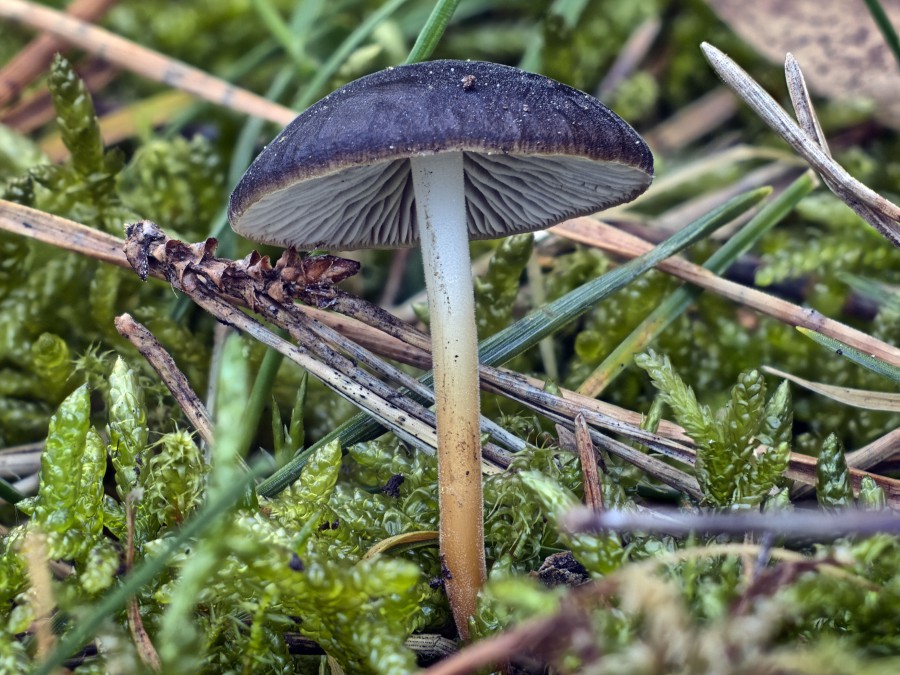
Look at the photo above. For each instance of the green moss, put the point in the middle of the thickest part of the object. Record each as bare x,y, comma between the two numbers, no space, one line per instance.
297,563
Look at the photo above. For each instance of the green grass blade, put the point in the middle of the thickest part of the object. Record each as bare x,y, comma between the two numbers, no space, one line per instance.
330,67
9,493
541,323
247,142
885,26
434,28
865,360
279,29
545,321
260,395
875,291
678,301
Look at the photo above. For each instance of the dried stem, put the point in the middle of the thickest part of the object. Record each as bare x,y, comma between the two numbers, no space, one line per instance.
166,368
670,439
142,642
37,560
593,494
37,109
33,59
804,525
595,233
137,59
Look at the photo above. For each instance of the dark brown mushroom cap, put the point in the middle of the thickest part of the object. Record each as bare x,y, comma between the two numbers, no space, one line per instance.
535,153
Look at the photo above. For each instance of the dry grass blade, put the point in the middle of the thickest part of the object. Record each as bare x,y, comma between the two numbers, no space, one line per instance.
882,214
142,642
662,471
803,108
219,285
817,525
879,450
143,61
31,62
413,431
20,460
62,233
675,180
630,55
858,398
530,391
809,122
37,559
593,494
90,242
539,637
595,233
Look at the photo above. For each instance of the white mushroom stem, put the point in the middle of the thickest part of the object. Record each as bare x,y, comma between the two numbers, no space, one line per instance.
441,211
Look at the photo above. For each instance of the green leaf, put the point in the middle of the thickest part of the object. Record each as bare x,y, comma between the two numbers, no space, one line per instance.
743,414
312,491
696,419
733,471
177,182
76,118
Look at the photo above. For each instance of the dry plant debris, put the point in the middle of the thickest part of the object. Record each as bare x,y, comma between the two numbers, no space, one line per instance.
837,41
663,592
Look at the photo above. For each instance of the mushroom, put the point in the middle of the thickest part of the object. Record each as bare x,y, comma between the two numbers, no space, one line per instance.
438,153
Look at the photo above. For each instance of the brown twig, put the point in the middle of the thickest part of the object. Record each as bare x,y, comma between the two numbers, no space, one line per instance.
538,639
93,243
165,366
595,233
191,270
593,494
32,60
817,525
145,649
137,59
270,291
88,241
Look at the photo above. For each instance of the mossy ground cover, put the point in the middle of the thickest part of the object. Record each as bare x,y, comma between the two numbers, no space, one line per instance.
142,547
